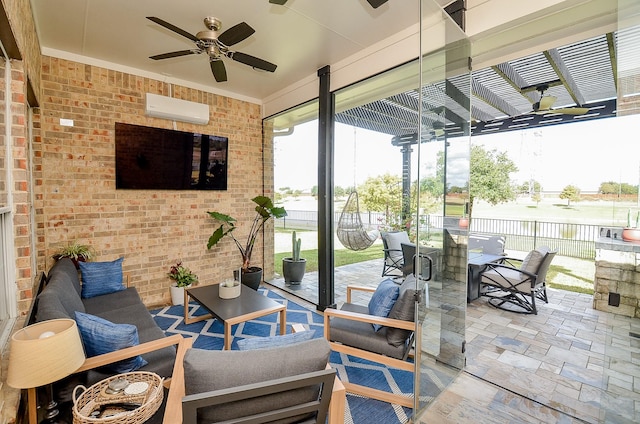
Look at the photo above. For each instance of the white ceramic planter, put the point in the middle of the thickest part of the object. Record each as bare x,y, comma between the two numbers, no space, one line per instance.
177,295
230,292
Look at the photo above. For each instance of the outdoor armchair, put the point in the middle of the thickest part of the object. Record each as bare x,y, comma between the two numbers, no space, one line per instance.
492,245
289,395
393,258
515,288
350,330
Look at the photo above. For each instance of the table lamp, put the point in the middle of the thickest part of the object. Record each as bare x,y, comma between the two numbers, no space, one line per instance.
42,354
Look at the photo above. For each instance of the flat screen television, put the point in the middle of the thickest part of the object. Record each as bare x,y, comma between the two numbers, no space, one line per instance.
159,159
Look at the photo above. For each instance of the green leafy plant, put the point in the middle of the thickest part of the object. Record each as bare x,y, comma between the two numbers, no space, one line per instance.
75,251
182,275
265,210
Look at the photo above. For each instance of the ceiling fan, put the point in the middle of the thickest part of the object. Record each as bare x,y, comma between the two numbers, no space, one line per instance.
374,3
216,46
543,106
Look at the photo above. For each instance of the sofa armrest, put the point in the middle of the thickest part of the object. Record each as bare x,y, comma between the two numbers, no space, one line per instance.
129,352
371,319
173,409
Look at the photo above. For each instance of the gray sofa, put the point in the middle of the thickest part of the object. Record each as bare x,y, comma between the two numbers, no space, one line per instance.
61,298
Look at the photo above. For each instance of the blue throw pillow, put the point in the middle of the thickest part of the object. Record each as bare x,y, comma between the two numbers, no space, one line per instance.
101,336
100,278
383,300
275,341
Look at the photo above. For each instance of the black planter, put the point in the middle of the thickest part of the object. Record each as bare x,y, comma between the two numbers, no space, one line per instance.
293,270
252,277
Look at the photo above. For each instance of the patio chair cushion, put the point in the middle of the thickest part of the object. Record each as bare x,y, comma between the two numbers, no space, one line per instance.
404,309
532,261
361,335
383,300
100,278
208,370
275,341
394,243
509,278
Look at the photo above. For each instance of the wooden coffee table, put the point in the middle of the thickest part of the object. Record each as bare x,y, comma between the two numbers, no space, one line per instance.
249,305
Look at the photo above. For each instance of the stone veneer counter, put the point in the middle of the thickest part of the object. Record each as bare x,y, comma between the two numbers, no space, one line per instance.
617,279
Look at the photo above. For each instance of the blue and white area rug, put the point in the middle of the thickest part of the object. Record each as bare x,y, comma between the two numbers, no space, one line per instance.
209,334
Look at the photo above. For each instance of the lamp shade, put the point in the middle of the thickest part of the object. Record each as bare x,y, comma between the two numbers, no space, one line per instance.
43,353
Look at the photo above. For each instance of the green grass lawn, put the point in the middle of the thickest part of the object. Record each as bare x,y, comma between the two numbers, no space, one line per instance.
341,257
552,210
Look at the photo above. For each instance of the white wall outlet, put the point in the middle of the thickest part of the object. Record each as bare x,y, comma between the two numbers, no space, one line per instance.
66,122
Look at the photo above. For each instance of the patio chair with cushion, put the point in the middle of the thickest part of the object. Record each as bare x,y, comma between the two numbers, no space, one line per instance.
491,245
393,259
268,381
515,288
382,332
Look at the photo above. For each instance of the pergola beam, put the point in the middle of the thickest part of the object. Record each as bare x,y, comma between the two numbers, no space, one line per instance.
558,65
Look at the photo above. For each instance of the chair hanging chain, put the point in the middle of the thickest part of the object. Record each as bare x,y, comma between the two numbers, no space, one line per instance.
355,157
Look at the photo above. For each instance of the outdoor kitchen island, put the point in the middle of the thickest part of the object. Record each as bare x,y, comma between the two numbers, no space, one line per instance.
617,277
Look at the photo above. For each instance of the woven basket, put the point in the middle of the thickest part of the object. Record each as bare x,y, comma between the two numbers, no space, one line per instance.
95,397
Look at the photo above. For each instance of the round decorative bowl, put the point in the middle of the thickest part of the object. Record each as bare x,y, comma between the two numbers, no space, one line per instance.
226,292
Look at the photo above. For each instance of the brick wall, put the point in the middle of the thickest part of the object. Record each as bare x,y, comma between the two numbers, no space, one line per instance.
75,180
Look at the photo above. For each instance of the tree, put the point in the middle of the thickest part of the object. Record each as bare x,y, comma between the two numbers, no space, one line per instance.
530,187
610,187
490,176
383,193
571,193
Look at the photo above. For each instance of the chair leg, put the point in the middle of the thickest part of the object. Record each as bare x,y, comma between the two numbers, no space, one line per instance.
542,294
517,299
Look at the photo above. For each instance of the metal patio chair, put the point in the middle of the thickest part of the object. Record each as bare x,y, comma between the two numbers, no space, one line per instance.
515,288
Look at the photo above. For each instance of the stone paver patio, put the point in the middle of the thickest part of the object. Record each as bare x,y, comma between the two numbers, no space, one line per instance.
569,363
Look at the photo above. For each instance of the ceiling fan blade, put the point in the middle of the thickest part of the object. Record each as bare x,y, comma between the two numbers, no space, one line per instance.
236,34
571,110
280,2
172,54
173,28
218,70
376,3
546,102
253,61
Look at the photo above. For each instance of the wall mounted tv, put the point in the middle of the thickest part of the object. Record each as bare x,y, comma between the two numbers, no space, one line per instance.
159,159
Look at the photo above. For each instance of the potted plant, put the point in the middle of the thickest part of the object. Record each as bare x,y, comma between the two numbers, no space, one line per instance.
251,276
183,277
76,252
293,268
632,232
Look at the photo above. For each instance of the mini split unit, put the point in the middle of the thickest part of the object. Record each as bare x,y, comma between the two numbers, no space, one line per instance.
176,109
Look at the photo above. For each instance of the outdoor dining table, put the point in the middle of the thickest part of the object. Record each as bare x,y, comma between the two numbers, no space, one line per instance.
477,263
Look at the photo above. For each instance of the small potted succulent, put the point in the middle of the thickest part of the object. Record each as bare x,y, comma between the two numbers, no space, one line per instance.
293,268
183,277
76,252
631,232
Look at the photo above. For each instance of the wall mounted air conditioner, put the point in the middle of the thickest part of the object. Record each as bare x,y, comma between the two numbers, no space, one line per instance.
176,109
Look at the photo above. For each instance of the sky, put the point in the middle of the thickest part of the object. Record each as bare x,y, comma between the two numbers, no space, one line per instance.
584,154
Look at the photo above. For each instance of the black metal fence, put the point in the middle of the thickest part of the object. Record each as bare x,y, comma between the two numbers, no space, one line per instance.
572,240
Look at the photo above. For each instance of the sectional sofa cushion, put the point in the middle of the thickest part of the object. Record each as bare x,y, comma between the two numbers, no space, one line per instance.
101,336
207,370
100,278
64,267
